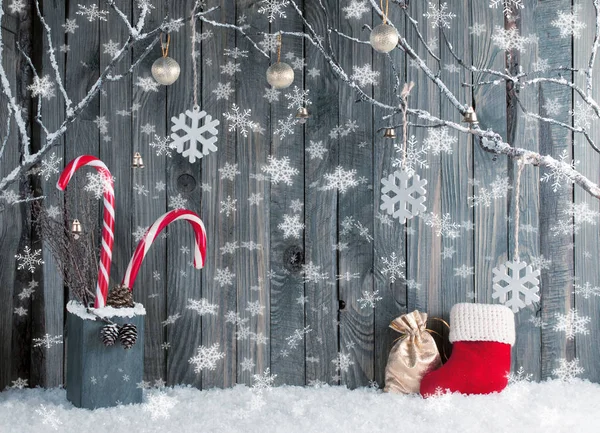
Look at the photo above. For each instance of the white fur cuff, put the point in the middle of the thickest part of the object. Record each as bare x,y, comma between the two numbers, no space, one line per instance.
482,322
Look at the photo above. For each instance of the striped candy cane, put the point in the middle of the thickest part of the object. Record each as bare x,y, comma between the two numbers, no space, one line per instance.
153,232
108,229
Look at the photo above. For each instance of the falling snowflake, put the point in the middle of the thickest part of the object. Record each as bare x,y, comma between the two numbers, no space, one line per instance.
363,231
159,405
312,273
443,226
228,206
412,158
230,68
438,140
194,134
50,166
111,48
520,281
568,24
498,190
583,115
582,213
477,29
340,179
298,63
558,171
29,259
316,149
223,91
291,226
140,189
42,87
229,171
264,381
224,277
393,267
206,358
20,311
177,202
148,129
464,271
286,126
19,383
271,94
247,364
298,98
540,262
586,290
279,170
296,205
99,183
273,8
553,106
364,75
270,43
202,306
239,120
572,323
48,341
567,370
255,308
405,191
92,13
70,26
342,362
48,417
518,377
255,199
369,299
356,9
509,39
507,5
17,6
139,233
229,248
439,16
147,84
162,145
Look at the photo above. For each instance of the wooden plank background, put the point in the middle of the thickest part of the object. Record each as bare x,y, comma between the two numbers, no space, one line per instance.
345,234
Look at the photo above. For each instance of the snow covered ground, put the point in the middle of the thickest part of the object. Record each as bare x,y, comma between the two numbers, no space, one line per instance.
553,406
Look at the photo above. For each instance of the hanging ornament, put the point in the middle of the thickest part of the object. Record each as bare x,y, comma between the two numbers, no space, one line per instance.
194,133
76,228
109,334
470,116
165,70
302,115
516,283
403,196
138,162
280,75
389,133
128,335
384,37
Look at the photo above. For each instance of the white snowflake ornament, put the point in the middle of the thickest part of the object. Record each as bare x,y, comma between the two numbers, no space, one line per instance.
520,281
408,195
194,134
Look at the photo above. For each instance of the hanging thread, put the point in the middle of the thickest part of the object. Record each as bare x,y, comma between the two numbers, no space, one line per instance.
278,47
194,64
520,166
165,47
387,8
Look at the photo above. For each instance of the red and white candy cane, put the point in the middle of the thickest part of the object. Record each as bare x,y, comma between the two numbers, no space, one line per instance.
108,229
153,232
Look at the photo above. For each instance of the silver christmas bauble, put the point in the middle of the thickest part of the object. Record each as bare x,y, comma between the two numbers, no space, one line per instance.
165,71
280,75
384,38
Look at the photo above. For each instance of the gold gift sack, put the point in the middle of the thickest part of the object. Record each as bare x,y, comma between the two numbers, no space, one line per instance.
413,356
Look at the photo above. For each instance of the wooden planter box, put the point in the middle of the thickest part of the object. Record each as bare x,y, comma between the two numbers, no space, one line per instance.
100,376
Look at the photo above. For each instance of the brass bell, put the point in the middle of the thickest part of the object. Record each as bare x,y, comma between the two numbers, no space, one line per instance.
470,116
137,161
76,228
302,115
389,133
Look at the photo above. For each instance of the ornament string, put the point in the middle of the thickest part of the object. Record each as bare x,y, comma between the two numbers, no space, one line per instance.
387,8
164,47
278,47
520,165
404,107
194,64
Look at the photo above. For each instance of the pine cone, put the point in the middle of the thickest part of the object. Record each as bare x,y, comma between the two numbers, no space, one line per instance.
128,335
120,297
109,334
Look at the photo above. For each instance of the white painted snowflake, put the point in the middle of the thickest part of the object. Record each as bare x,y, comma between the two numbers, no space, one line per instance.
111,48
558,173
393,267
48,417
583,115
553,106
582,213
270,43
159,405
255,308
263,381
364,75
464,271
273,8
42,87
477,29
271,94
139,233
567,370
439,140
247,364
223,91
403,196
507,5
312,273
29,259
369,299
298,98
140,189
291,226
147,84
194,134
50,166
229,171
572,323
229,248
540,262
230,68
162,145
20,311
17,6
356,9
92,13
70,26
148,129
177,202
412,158
439,16
239,120
316,149
340,179
279,170
443,226
206,358
255,199
296,205
224,277
286,126
228,206
48,341
342,362
586,290
19,383
509,39
202,306
516,284
568,24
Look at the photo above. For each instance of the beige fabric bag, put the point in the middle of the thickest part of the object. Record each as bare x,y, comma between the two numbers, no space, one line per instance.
413,356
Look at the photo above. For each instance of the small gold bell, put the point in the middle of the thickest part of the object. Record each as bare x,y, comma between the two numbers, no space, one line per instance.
389,133
76,228
137,161
302,115
470,116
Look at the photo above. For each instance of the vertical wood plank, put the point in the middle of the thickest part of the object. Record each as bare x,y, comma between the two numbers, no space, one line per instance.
356,324
321,207
586,240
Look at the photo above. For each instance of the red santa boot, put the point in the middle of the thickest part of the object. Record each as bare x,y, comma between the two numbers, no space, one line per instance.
481,337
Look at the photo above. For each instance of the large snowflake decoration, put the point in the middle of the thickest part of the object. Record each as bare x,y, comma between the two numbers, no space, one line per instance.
411,158
194,134
29,259
162,145
273,8
340,179
356,9
393,267
439,16
403,196
568,24
559,171
291,226
507,5
92,13
572,323
206,358
202,306
279,170
298,98
48,341
567,370
369,299
509,39
516,284
364,75
42,87
286,126
239,120
439,140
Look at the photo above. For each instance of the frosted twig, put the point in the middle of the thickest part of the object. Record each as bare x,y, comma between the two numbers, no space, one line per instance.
415,26
594,50
7,134
38,116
